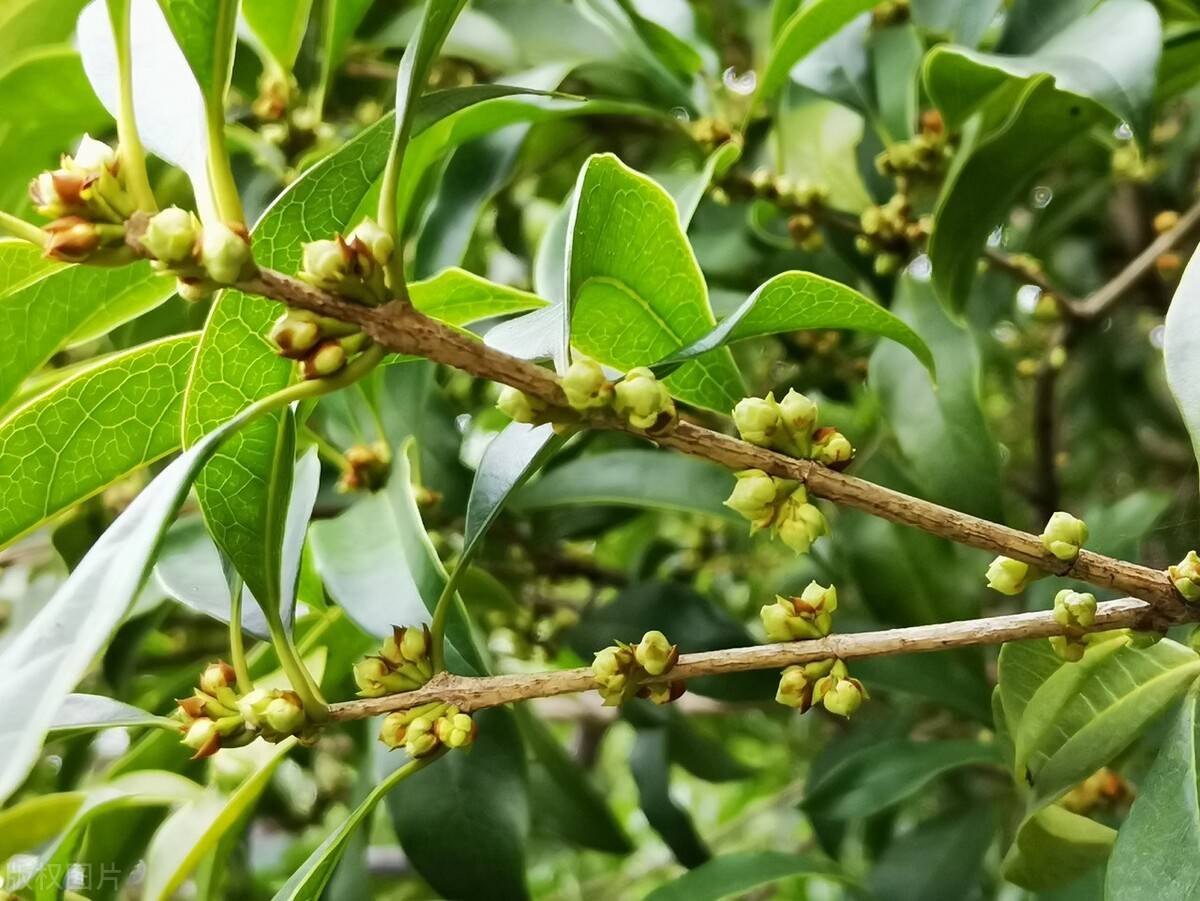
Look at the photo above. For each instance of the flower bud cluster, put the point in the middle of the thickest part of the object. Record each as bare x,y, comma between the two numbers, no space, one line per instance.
825,682
367,468
1076,611
215,716
888,232
780,504
521,407
402,664
925,156
1064,535
201,257
622,670
643,400
354,266
803,201
1186,576
423,730
321,344
799,618
788,427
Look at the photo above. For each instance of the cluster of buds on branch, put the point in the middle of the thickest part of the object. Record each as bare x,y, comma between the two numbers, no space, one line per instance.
402,664
215,716
889,233
825,682
800,618
804,201
201,257
1186,576
926,156
1063,537
1075,611
621,671
424,730
781,504
354,266
367,467
788,427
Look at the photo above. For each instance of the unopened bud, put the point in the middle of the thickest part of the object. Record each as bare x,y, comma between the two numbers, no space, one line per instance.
285,713
455,730
663,692
420,740
323,263
295,333
655,654
1064,535
758,420
224,253
1186,576
370,674
252,707
368,467
800,523
411,644
72,239
754,496
171,235
798,414
93,155
194,290
203,738
611,669
326,359
520,407
795,689
585,385
844,697
1074,609
1165,221
1067,648
218,678
832,448
394,729
1009,576
642,399
371,237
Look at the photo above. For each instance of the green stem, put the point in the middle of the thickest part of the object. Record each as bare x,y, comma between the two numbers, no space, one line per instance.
26,231
326,448
441,611
237,647
132,153
372,403
224,189
297,673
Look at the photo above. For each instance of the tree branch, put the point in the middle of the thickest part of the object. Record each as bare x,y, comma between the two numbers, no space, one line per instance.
475,693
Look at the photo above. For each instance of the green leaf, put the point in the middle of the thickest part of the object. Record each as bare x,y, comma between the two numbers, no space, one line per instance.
474,800
79,713
964,21
1023,667
1181,349
633,478
45,104
1030,23
458,297
26,24
650,763
1018,128
734,874
509,460
342,18
884,774
940,428
36,820
204,30
279,26
807,28
562,792
626,312
1104,59
941,857
793,301
1055,847
50,655
1159,842
89,431
1086,713
896,53
193,831
65,302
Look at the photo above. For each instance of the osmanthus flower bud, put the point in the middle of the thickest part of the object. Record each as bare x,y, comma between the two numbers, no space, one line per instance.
663,692
372,239
295,333
252,707
1009,576
194,289
586,386
1064,535
519,406
225,253
419,738
798,414
642,399
844,696
797,683
324,264
832,448
800,618
798,523
758,420
1186,576
754,496
171,236
220,681
326,359
455,729
72,239
201,736
614,671
284,715
368,468
1074,609
1068,648
655,654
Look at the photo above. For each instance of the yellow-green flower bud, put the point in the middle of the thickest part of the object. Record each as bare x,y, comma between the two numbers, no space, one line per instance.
663,692
832,448
795,689
421,745
295,333
655,654
642,399
326,359
612,668
820,598
217,679
285,714
374,240
844,697
394,729
585,386
201,736
1074,609
455,730
252,707
224,253
1067,648
323,264
758,420
171,236
413,643
1186,576
800,523
799,415
1009,576
520,407
806,617
370,674
1064,535
754,496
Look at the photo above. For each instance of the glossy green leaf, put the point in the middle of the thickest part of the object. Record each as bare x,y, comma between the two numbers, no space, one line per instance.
793,301
458,297
897,54
964,21
474,800
279,26
1179,68
80,712
1023,667
650,763
633,478
1055,847
940,428
1159,842
734,874
35,820
1018,128
1085,714
940,857
204,30
886,773
1031,23
1106,58
90,431
510,459
27,24
636,293
46,660
46,103
1181,349
193,831
807,28
342,18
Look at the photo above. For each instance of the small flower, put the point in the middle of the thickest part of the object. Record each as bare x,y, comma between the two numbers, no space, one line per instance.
642,399
655,654
455,730
419,738
1074,609
754,496
252,707
171,235
806,617
373,240
368,468
224,253
323,264
1186,576
798,415
1064,535
585,385
72,239
832,448
795,689
519,406
844,696
613,669
663,692
408,644
799,523
758,420
94,155
219,680
1009,576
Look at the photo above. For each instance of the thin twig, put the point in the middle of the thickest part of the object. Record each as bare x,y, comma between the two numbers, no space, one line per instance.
475,693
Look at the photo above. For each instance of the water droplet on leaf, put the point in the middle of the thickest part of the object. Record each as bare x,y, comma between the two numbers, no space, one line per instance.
743,84
1041,197
921,268
1123,132
1028,297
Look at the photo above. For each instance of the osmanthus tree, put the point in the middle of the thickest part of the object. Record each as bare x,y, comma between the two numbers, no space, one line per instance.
619,348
